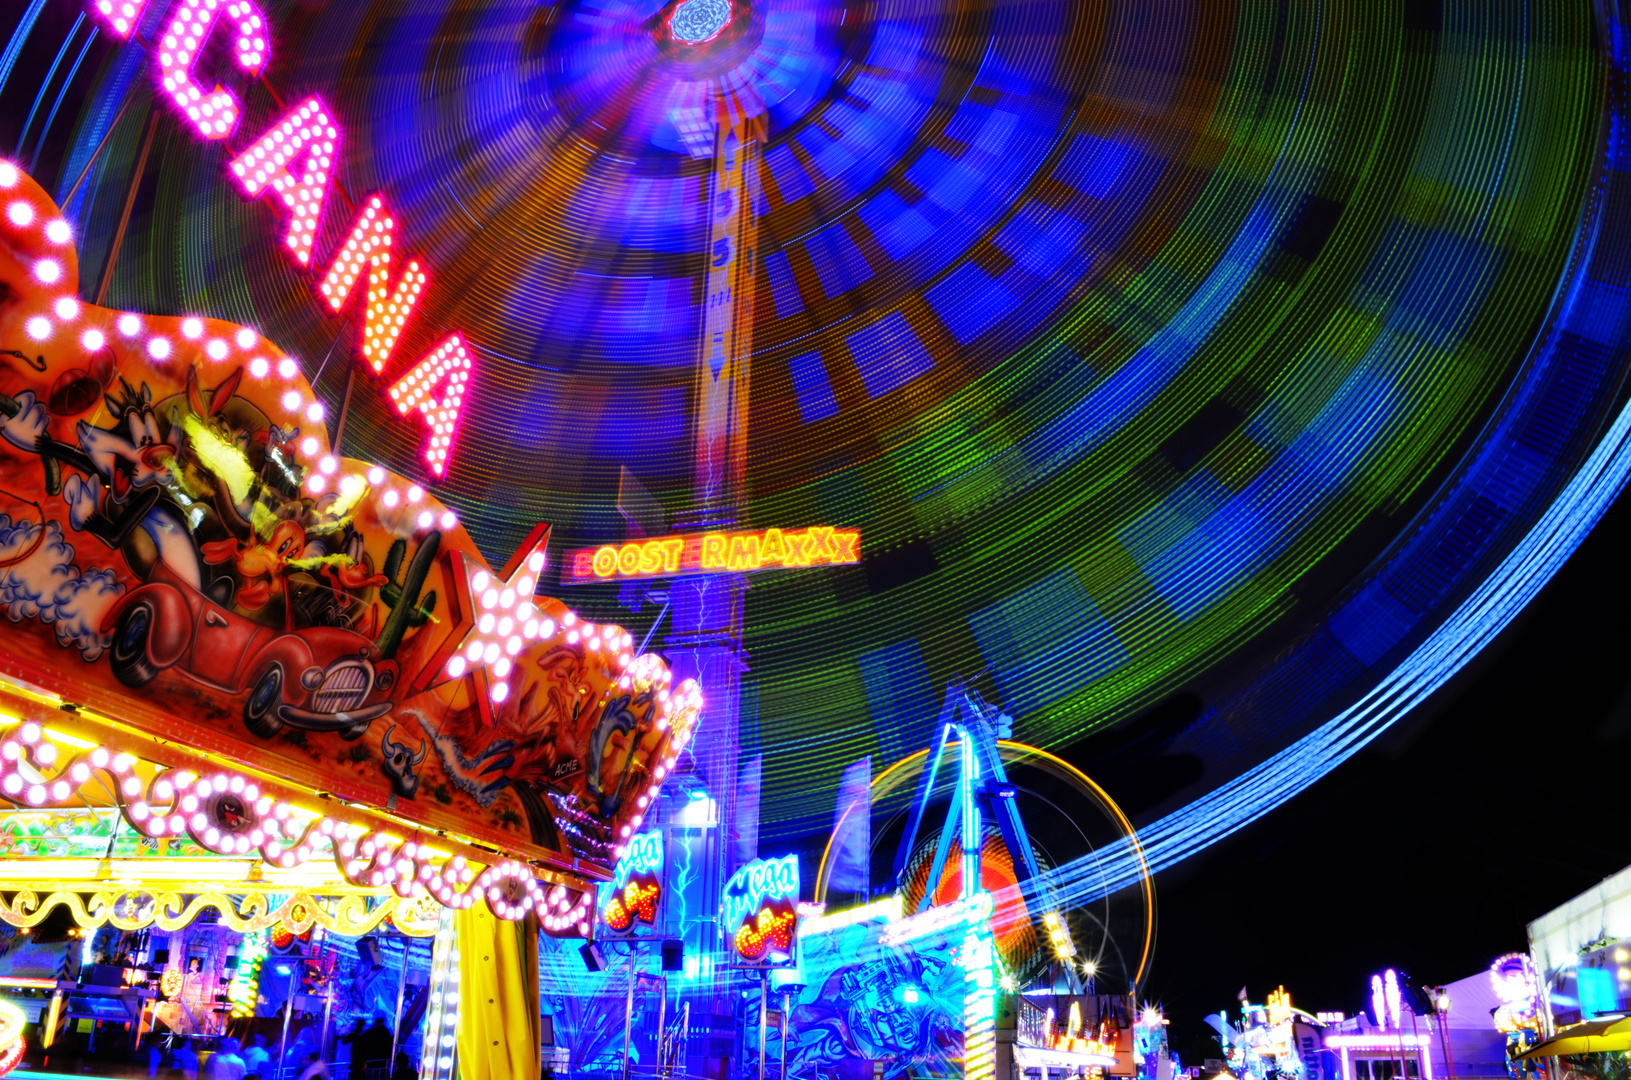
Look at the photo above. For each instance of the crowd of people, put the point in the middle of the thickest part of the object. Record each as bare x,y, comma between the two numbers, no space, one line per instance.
363,1054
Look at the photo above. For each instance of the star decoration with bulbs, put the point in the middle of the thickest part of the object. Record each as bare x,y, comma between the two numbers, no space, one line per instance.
498,616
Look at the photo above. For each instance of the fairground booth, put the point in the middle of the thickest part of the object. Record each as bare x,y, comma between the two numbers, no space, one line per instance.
283,758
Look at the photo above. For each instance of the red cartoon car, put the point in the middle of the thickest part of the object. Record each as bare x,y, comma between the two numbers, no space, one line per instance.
316,679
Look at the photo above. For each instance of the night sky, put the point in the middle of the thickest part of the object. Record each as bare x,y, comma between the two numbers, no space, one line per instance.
1501,798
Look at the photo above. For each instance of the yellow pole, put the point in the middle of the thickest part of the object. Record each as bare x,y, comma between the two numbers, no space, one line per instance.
498,1033
52,1017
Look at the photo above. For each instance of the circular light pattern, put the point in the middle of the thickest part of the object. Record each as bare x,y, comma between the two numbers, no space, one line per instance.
170,982
1191,386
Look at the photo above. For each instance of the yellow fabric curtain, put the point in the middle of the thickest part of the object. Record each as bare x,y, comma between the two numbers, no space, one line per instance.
498,1033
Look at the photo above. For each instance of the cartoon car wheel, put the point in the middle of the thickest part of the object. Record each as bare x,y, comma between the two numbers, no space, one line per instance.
265,699
355,731
128,657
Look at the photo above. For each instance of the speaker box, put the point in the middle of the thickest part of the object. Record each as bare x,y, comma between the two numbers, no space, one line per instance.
102,975
368,951
593,958
673,956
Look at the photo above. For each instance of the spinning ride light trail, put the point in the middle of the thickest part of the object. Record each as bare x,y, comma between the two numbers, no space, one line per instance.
1475,623
1186,379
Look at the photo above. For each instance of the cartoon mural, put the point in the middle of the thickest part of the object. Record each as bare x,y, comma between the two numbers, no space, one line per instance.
180,548
864,1002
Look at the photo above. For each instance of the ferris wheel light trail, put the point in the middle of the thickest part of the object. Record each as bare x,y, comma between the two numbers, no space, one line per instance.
1474,625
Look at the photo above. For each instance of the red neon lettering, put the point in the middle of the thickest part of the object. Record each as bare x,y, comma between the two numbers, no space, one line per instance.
214,116
744,553
305,131
820,548
798,549
387,309
843,547
766,927
447,364
671,553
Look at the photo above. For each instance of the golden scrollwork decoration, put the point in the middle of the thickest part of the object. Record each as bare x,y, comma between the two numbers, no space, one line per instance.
136,908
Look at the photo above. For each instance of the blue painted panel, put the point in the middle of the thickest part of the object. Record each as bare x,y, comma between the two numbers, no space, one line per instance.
948,184
838,262
895,46
983,128
1045,641
1093,165
900,696
784,288
1150,535
814,391
969,302
1600,311
1372,623
1040,239
791,179
897,227
830,156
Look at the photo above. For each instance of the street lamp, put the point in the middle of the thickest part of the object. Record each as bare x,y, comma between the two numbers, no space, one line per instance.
1441,1007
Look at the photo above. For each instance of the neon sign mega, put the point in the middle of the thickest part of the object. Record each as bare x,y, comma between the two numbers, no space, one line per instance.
294,161
758,910
635,889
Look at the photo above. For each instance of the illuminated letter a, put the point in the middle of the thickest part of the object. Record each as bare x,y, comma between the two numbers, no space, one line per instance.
449,363
386,309
306,132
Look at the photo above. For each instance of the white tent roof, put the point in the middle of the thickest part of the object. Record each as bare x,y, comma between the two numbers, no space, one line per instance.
1556,938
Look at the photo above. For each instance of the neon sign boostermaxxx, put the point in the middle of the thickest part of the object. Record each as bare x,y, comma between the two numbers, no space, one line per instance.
712,553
